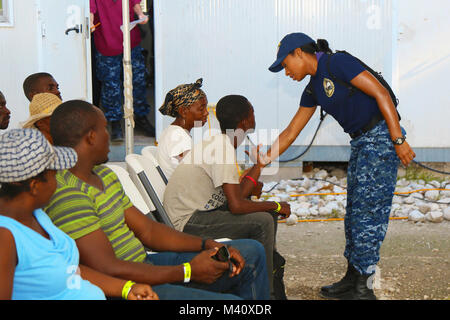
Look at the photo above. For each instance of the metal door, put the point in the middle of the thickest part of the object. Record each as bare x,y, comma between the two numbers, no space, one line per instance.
65,46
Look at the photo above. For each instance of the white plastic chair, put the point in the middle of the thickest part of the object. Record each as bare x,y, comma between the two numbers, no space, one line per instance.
131,190
150,153
150,184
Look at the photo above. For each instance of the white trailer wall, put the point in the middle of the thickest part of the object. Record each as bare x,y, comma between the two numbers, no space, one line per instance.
37,42
423,72
231,43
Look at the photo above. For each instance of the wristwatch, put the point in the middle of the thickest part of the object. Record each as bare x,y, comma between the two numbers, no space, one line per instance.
399,141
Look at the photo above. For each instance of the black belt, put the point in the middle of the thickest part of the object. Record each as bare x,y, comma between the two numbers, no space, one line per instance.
369,126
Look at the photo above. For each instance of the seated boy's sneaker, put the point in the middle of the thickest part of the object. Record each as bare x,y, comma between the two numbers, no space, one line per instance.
143,124
116,131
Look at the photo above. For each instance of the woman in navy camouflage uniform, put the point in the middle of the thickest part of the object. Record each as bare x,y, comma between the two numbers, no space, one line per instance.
378,144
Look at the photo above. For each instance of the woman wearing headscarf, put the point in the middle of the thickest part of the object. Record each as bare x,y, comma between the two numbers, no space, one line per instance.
188,104
367,113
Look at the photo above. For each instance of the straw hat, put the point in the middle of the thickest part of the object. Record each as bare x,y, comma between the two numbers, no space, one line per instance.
26,152
42,106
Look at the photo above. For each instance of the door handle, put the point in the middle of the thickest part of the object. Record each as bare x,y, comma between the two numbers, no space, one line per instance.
76,29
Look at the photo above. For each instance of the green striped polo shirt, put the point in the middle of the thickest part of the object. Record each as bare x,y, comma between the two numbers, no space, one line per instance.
78,209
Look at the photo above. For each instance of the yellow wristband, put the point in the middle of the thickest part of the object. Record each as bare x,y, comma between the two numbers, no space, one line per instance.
126,289
278,209
187,272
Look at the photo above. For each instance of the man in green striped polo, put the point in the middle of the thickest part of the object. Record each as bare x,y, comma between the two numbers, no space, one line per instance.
91,206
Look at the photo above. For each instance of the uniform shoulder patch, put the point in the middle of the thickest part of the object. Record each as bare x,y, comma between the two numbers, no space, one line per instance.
329,87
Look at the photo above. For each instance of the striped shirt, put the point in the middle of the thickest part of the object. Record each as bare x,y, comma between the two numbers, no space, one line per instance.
78,209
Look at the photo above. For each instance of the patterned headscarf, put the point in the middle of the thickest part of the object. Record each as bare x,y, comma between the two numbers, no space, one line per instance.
182,96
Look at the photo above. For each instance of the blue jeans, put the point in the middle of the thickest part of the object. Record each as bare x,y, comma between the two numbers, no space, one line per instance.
251,284
371,180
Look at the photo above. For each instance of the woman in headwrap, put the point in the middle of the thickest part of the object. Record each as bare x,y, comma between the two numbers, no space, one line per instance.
187,103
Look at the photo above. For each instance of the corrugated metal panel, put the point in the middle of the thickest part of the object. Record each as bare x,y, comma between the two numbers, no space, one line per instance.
424,68
220,41
231,44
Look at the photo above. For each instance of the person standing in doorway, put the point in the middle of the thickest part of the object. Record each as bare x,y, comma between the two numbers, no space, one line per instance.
106,20
367,113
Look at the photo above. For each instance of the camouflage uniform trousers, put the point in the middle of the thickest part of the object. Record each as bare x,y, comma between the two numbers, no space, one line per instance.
371,181
110,73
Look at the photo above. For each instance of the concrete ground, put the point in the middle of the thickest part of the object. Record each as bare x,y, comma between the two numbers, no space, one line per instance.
414,265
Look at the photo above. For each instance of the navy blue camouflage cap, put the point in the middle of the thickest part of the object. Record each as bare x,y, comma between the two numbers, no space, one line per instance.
288,44
25,153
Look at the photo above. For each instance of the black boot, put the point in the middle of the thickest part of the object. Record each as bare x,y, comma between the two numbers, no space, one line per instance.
363,288
278,275
143,124
341,289
116,131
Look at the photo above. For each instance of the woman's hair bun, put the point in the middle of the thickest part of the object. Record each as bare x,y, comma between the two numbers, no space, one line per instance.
323,46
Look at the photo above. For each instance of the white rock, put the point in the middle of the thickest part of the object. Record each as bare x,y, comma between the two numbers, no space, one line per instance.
416,216
320,184
301,190
268,186
333,179
292,220
395,209
278,199
337,189
333,205
307,183
432,195
435,184
283,197
290,188
409,200
324,211
306,205
403,212
403,189
397,199
321,203
436,216
314,211
302,212
322,174
418,195
434,207
314,200
416,186
402,182
447,213
429,186
292,183
445,194
424,208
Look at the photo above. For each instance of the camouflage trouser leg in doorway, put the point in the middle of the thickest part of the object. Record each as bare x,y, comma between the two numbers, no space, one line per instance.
371,181
110,74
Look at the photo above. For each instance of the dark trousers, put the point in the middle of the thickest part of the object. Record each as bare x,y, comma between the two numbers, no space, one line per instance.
221,223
